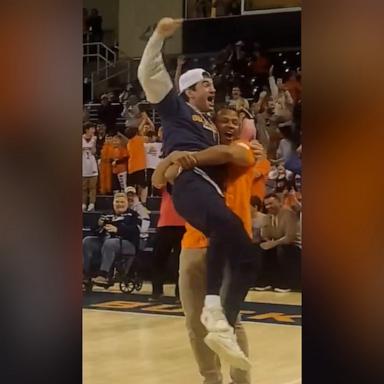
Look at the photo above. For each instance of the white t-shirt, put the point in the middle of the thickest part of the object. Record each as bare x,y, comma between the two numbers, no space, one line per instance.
153,152
89,160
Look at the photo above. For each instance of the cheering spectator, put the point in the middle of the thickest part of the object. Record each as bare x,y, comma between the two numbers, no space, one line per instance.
90,170
136,162
294,87
127,92
237,101
106,158
119,164
146,125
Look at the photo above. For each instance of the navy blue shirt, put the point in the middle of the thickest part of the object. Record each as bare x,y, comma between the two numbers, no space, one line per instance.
183,128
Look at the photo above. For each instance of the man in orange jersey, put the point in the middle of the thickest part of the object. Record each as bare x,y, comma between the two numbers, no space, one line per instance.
192,279
136,162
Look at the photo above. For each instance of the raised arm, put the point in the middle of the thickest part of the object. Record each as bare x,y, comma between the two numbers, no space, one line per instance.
272,84
179,67
152,73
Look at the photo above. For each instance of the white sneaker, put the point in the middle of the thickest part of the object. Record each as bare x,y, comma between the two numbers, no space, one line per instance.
224,344
91,207
214,319
84,207
282,290
261,289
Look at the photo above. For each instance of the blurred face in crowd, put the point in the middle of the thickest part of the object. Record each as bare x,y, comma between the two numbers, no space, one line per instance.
272,205
116,142
131,198
120,204
100,129
271,105
202,95
236,93
104,101
89,132
228,124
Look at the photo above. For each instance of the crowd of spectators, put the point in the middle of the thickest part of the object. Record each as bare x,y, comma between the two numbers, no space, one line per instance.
267,97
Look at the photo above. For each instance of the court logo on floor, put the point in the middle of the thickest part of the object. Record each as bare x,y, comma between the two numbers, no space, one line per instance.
251,311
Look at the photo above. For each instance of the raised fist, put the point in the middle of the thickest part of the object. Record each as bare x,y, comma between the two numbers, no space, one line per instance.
167,26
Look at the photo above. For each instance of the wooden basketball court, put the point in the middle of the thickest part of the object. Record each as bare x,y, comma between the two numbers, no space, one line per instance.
153,348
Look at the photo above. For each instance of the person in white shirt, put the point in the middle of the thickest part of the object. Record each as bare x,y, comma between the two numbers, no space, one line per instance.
153,158
90,169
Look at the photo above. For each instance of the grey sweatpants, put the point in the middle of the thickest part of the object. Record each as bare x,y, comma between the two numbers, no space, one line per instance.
109,248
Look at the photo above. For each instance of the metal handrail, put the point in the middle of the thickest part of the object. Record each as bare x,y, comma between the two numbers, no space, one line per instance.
98,45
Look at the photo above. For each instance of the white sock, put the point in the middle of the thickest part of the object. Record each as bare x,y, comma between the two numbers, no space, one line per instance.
212,301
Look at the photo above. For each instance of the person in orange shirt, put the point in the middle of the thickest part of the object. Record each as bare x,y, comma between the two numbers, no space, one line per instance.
105,167
119,162
193,268
136,162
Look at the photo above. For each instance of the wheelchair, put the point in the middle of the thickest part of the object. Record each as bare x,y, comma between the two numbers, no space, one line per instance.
124,271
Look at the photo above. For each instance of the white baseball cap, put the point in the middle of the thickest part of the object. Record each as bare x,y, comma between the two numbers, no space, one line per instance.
192,77
130,190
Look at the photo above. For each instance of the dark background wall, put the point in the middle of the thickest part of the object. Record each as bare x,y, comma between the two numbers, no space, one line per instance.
270,30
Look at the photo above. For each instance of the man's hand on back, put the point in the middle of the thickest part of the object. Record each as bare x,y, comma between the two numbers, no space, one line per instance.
167,26
257,150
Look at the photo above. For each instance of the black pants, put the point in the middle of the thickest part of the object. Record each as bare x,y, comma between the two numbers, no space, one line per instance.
281,267
197,201
168,242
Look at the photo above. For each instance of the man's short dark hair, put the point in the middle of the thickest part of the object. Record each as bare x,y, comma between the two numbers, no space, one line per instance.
256,202
131,132
88,125
222,108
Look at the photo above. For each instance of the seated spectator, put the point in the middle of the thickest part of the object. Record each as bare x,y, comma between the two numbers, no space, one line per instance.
119,164
90,169
115,235
237,101
282,247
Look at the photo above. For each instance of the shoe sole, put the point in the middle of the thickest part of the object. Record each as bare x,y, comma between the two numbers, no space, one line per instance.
214,343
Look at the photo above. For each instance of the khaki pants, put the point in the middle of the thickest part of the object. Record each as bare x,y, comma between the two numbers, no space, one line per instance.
192,285
89,189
